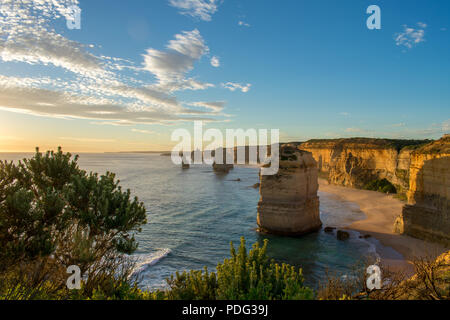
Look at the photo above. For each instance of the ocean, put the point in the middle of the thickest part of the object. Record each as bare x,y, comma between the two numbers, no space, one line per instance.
194,214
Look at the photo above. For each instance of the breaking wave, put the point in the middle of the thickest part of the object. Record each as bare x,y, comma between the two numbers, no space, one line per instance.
144,261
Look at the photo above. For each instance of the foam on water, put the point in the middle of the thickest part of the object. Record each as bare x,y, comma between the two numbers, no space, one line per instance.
144,261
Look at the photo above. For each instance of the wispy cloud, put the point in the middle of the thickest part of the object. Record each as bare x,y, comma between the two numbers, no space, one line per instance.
398,125
143,131
355,130
446,126
171,66
57,104
25,25
243,24
201,9
86,139
99,87
215,62
217,106
232,86
410,37
399,131
10,138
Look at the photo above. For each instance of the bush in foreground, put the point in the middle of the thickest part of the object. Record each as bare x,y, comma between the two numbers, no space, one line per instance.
53,215
244,276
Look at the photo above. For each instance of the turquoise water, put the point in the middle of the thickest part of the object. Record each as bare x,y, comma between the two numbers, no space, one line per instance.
194,214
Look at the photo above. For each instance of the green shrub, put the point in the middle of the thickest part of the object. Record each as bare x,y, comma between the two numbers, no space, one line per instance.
53,215
244,276
382,185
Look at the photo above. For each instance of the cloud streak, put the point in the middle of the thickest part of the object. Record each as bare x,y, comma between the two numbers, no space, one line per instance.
50,103
81,85
27,37
171,66
232,86
212,106
243,24
410,37
201,9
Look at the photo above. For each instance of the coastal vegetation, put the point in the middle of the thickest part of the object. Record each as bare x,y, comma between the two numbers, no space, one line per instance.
244,276
54,215
397,144
382,185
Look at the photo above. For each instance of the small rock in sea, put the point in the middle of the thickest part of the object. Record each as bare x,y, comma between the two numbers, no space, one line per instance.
342,235
185,165
329,229
366,236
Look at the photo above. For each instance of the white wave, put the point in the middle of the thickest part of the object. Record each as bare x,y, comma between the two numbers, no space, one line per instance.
144,261
373,250
372,247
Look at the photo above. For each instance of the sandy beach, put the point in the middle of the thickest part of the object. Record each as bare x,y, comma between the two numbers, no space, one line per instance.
381,210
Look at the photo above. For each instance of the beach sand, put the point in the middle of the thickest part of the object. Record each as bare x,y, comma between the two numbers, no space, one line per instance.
396,251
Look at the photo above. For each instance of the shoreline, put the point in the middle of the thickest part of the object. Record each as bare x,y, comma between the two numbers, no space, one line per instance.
396,251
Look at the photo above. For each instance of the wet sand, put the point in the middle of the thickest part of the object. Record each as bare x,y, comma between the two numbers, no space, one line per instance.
396,251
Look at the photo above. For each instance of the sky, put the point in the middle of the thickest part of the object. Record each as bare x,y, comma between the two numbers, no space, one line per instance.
137,70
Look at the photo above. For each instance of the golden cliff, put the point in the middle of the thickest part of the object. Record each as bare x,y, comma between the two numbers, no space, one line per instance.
356,162
427,214
289,204
419,169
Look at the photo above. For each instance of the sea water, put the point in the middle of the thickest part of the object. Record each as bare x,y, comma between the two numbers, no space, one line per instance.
194,214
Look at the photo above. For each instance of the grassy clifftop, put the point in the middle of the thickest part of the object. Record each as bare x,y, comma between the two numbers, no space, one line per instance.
397,144
440,146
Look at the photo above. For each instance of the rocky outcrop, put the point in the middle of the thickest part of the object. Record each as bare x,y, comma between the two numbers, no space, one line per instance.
356,162
222,168
427,214
342,235
329,229
289,204
185,165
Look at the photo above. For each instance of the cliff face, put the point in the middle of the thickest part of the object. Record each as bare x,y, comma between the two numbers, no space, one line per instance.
289,204
358,161
420,172
427,214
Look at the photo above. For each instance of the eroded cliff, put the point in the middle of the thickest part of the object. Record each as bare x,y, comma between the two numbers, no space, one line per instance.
356,162
427,214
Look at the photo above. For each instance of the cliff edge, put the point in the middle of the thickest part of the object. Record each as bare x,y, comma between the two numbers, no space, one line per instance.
427,214
356,162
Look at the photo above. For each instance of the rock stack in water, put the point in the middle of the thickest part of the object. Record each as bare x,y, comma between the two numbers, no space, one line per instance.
222,168
288,203
185,165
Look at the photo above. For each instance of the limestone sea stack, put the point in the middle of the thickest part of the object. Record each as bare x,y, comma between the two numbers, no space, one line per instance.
222,168
185,165
289,204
